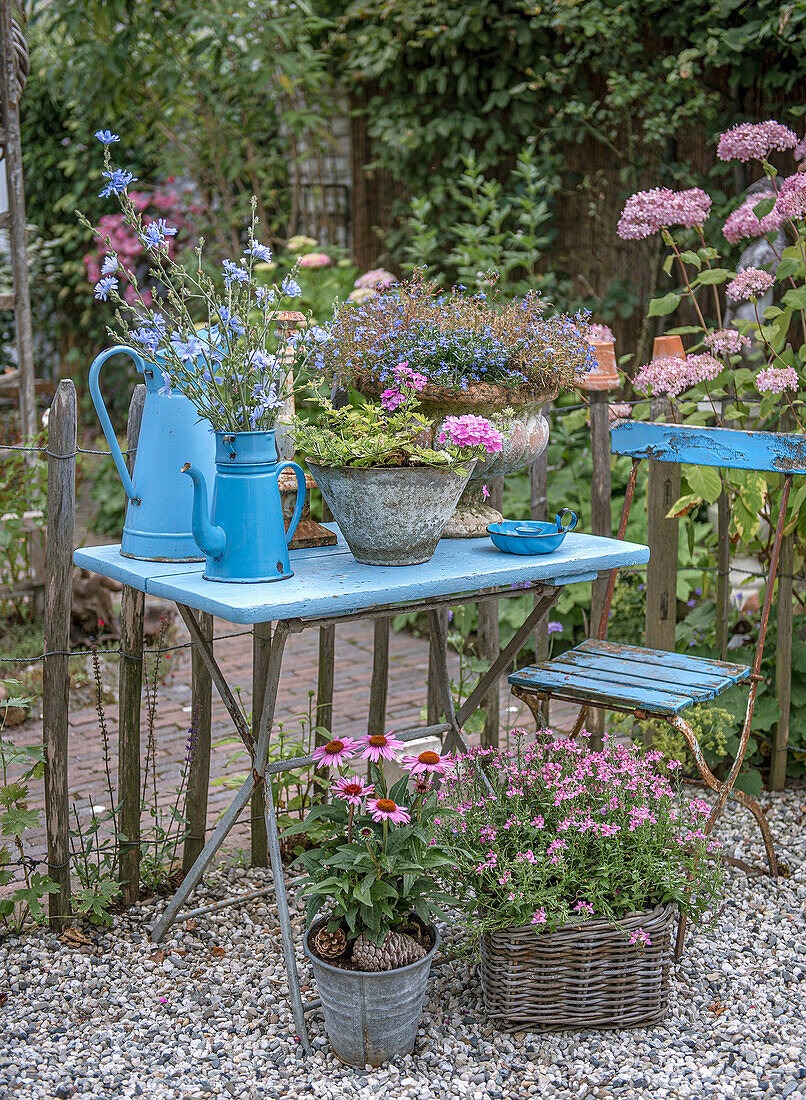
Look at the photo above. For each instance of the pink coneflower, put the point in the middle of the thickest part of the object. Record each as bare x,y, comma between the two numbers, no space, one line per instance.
427,761
384,809
380,746
335,752
352,789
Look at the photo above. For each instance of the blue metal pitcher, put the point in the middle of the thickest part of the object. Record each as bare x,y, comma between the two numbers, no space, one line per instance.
244,537
158,516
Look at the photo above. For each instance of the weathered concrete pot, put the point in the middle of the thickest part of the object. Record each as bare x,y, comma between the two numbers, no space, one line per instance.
391,515
371,1018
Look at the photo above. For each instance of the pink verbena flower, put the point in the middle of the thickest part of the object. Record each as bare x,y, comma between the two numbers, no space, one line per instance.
726,341
648,212
426,762
755,140
471,431
777,379
406,376
352,789
743,223
377,279
641,937
392,399
335,752
315,259
750,282
791,201
379,746
600,332
384,809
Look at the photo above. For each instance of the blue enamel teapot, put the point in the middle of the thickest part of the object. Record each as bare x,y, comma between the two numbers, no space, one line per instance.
243,536
158,523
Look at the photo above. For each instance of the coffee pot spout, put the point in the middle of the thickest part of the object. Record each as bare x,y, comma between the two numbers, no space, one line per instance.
211,539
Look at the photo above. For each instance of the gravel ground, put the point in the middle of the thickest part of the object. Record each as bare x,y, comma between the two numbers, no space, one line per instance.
116,1018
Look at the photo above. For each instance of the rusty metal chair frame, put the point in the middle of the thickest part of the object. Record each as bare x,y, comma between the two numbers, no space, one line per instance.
735,449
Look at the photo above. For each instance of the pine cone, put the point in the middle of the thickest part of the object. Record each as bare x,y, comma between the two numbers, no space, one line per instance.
330,944
397,950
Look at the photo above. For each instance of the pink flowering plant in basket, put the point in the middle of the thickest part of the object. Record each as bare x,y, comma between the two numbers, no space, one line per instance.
746,363
550,833
379,863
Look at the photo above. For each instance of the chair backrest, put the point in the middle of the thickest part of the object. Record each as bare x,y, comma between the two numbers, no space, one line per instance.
723,447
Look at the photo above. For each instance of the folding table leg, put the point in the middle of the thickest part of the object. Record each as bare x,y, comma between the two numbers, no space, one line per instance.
439,668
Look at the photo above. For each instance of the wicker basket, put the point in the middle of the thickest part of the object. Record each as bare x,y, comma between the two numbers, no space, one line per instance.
584,975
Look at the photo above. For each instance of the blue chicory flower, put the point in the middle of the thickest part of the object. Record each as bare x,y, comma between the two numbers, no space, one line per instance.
119,180
259,252
148,337
105,286
234,272
266,294
186,349
156,233
106,137
230,321
290,288
165,388
109,265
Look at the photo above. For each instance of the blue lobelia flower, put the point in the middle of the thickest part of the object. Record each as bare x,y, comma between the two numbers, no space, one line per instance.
234,273
109,265
259,252
106,137
105,286
290,288
156,233
119,180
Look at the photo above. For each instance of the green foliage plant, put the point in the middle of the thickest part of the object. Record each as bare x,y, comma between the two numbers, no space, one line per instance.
564,834
23,492
377,864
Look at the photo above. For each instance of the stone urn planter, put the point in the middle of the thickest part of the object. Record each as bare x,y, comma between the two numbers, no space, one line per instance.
525,439
371,1016
391,515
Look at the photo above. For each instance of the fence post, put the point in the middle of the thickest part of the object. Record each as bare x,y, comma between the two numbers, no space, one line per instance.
538,509
783,663
661,573
489,645
601,524
198,779
380,676
261,651
61,507
326,667
130,686
434,706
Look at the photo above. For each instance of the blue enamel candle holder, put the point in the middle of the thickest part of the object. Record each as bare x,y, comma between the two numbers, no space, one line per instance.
532,536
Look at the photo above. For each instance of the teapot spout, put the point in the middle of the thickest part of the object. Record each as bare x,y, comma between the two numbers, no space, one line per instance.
211,540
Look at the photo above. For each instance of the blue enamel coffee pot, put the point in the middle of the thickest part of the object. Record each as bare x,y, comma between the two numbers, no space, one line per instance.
158,523
243,536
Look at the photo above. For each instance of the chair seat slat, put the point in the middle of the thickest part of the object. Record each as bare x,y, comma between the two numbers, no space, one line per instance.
651,670
547,681
734,672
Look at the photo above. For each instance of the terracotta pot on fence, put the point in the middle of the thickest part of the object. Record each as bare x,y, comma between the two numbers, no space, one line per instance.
668,347
604,375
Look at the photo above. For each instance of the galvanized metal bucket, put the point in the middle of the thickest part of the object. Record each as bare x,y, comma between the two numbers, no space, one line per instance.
371,1017
391,515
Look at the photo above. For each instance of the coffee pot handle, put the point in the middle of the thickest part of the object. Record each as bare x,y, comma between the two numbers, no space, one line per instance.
103,415
302,489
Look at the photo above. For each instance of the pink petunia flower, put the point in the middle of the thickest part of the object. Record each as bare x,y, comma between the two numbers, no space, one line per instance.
749,282
380,746
335,752
777,379
384,809
755,140
352,789
426,762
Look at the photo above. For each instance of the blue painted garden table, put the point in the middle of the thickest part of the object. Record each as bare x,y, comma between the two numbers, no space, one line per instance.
328,587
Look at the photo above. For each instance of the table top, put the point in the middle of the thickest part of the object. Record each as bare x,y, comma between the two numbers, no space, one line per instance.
328,582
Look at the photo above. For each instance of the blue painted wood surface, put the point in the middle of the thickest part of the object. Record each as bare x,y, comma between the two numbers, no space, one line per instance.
328,581
606,673
710,446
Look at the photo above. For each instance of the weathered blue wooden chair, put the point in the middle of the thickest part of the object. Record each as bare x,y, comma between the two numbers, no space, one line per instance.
653,683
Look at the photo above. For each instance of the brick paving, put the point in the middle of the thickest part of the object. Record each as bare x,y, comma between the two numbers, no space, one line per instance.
408,667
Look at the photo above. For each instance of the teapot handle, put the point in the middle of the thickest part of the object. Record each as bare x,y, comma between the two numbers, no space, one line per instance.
302,489
561,516
103,415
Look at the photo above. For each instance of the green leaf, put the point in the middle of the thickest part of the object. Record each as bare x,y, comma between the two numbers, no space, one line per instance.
683,506
661,307
704,481
713,276
796,297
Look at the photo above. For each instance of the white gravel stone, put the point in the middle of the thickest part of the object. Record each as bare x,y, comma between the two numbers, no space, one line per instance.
110,1021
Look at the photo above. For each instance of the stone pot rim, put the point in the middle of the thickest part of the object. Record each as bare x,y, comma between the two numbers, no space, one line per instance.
321,921
447,470
482,394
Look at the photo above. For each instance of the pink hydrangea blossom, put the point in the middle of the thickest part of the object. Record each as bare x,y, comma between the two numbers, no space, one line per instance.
315,259
799,151
600,332
755,140
791,201
377,279
385,809
726,341
777,379
648,212
672,375
750,282
743,223
471,431
620,411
